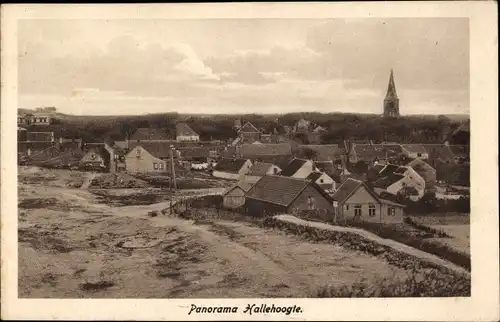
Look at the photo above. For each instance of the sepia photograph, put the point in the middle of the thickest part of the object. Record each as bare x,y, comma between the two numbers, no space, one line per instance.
283,158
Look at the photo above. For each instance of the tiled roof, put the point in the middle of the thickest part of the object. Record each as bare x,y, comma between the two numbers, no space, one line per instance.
249,128
260,169
313,176
377,168
387,181
414,148
420,166
151,134
388,169
441,151
292,167
230,165
194,152
327,167
121,144
251,150
159,150
39,136
346,189
277,189
325,152
184,130
401,170
243,185
369,151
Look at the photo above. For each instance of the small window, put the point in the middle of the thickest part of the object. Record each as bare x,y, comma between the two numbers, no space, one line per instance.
357,210
346,207
161,166
321,181
371,210
138,151
275,170
391,211
419,154
155,165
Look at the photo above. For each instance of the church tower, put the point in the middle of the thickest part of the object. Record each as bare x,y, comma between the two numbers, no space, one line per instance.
391,101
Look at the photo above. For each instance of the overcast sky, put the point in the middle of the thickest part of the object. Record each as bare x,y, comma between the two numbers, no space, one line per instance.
243,65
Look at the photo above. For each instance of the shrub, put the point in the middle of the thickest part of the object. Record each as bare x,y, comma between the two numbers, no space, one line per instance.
428,283
437,232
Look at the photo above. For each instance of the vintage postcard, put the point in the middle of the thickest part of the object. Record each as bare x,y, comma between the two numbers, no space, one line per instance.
270,161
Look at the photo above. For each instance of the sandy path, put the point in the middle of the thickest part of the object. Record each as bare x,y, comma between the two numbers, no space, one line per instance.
387,242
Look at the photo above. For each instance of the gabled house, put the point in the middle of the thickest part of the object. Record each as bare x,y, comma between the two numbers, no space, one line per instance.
260,169
323,180
400,179
97,157
185,134
299,168
249,133
232,169
354,200
415,151
277,194
148,157
234,197
425,171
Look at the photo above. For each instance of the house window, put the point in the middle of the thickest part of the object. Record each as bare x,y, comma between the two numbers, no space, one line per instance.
357,210
321,181
161,166
275,170
138,152
346,207
310,202
155,165
391,211
371,210
419,154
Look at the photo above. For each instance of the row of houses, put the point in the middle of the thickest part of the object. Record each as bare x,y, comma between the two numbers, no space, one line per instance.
273,194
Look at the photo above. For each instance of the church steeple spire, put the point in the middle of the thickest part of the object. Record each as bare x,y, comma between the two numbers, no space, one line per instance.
391,89
391,101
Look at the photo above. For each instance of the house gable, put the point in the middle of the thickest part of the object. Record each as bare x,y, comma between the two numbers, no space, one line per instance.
362,196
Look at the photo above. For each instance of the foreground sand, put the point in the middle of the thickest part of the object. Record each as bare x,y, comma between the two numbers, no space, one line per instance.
76,248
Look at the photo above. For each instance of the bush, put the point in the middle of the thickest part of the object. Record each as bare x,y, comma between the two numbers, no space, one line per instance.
437,232
445,252
428,283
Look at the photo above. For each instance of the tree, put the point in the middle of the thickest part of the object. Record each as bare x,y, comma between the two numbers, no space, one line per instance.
306,153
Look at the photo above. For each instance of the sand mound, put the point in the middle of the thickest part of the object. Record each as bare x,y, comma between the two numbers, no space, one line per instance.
117,180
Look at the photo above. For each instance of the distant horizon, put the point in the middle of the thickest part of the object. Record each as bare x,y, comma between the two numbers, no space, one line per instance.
263,65
237,114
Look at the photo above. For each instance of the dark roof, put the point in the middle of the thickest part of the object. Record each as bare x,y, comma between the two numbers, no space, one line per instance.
401,170
327,167
439,151
184,130
459,150
461,128
249,127
325,152
388,169
346,189
243,185
259,169
280,190
230,165
387,181
159,150
195,152
251,150
151,134
39,136
414,148
369,151
293,167
314,176
377,168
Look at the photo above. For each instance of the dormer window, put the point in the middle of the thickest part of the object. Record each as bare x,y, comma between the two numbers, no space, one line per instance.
138,152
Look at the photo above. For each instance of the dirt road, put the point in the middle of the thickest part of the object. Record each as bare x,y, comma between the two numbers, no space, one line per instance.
76,248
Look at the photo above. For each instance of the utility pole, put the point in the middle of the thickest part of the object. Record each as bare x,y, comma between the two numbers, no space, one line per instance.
173,184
